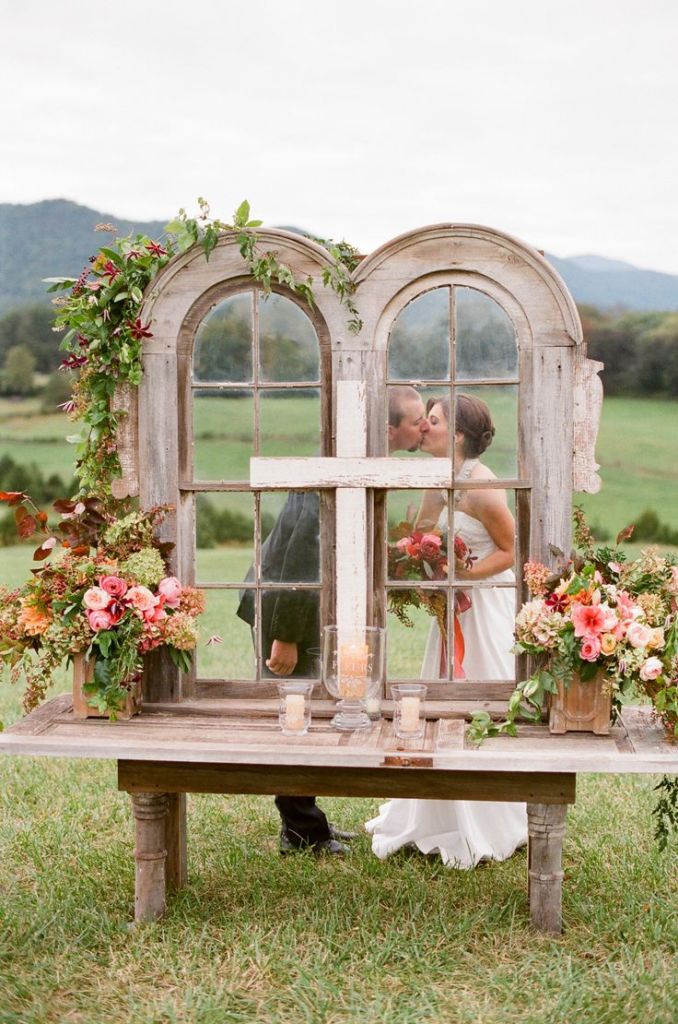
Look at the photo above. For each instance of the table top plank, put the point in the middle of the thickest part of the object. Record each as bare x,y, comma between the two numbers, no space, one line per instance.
638,744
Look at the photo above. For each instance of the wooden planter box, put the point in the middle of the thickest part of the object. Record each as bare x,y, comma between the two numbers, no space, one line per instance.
581,707
83,672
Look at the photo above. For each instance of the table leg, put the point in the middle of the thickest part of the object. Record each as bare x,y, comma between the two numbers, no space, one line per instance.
176,870
150,854
546,829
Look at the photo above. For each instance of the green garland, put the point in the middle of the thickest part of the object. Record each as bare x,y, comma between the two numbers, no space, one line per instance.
104,332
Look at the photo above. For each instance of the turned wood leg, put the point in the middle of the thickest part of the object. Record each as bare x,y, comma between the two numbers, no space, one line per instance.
150,854
546,829
176,869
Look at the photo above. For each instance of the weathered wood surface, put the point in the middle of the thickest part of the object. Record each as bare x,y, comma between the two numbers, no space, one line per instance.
546,831
183,735
393,471
150,854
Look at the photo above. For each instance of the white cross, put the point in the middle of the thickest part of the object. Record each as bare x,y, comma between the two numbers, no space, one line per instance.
351,473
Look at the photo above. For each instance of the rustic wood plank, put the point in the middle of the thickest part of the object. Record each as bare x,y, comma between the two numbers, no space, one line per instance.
176,865
644,731
278,473
149,777
150,853
42,718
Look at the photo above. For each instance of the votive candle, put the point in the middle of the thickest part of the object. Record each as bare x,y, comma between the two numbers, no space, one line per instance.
295,711
410,708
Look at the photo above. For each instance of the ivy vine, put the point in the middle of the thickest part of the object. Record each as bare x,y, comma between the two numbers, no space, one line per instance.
104,331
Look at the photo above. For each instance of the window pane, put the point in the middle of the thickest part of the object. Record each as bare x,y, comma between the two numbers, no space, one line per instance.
223,342
234,657
406,645
419,344
224,536
290,552
486,345
288,345
407,418
223,434
480,409
289,422
292,617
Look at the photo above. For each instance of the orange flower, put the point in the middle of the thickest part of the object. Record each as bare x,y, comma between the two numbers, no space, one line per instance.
583,597
33,619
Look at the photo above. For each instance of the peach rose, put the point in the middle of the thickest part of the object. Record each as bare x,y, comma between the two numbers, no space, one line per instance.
170,589
657,639
590,648
113,585
99,620
651,669
607,643
141,598
638,635
96,599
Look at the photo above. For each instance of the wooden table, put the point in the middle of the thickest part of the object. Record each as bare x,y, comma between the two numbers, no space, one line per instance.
236,747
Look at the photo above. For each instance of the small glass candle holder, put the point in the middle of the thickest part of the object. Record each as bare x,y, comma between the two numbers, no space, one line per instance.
409,719
353,671
294,712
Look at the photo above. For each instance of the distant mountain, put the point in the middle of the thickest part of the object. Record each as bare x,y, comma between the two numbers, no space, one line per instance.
56,237
50,239
607,284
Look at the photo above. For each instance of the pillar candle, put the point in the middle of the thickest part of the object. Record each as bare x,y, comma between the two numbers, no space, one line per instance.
295,712
409,714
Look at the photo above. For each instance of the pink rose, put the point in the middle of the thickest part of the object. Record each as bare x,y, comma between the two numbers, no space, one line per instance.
96,599
113,585
170,589
590,648
651,669
99,620
638,635
431,539
402,543
626,606
141,598
155,614
589,620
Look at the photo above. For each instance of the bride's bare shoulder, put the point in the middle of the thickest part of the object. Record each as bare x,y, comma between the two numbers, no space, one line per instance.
481,472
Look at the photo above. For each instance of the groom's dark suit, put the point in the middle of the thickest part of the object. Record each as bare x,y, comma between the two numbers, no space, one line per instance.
291,554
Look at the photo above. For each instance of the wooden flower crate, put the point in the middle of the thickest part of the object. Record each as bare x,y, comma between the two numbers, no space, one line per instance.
581,707
83,672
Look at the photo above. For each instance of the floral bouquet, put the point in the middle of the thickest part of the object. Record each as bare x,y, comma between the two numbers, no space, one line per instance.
414,555
114,605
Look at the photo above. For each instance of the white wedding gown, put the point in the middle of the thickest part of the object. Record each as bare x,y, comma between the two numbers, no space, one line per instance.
463,832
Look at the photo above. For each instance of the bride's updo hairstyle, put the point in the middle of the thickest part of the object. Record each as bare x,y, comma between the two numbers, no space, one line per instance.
473,419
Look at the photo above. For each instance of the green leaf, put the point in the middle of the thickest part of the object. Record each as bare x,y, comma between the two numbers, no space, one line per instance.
242,214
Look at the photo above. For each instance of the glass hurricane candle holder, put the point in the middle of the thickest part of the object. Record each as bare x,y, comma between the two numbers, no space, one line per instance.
409,720
353,671
294,712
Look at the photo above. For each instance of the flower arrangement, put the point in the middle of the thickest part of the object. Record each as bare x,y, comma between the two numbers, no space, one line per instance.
114,604
599,613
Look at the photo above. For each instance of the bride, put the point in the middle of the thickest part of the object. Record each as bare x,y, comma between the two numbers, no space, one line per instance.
465,832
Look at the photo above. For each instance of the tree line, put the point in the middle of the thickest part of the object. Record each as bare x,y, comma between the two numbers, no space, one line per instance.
640,351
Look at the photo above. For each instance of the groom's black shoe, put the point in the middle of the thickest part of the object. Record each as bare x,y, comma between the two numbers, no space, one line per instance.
341,836
331,846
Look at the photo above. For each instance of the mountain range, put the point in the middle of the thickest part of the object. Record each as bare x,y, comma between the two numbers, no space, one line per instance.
55,237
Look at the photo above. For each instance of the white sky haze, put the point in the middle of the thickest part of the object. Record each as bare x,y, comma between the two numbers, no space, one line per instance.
554,122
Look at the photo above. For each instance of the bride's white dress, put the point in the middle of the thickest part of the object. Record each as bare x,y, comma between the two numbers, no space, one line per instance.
463,832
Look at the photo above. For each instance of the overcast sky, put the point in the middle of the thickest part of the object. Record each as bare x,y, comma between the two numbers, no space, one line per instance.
553,121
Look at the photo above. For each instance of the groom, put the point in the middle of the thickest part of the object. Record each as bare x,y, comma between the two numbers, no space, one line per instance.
291,619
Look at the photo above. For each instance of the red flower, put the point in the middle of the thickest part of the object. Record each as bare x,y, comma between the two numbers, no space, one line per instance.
133,254
558,602
138,330
155,249
71,362
110,271
68,406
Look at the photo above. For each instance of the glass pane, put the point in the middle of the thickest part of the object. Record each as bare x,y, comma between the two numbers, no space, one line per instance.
486,339
419,344
290,552
224,536
288,345
407,422
289,422
223,434
292,617
223,342
406,645
226,617
479,412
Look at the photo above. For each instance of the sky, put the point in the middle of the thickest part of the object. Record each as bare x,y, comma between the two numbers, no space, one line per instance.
362,119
